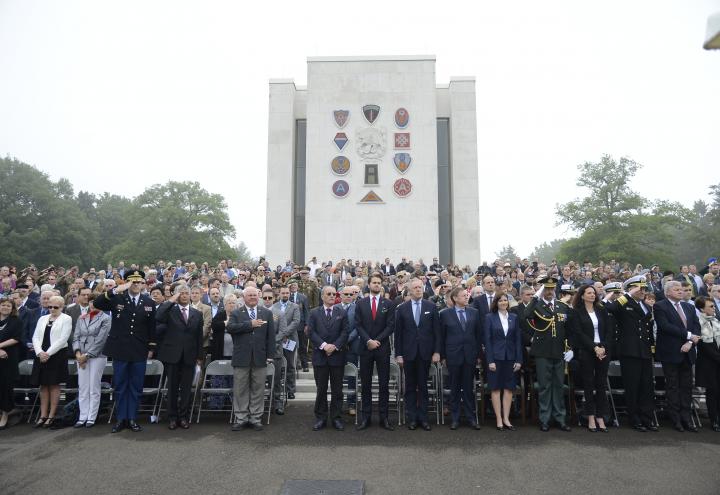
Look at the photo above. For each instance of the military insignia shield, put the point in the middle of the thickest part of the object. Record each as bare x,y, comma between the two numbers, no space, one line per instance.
340,188
340,140
402,140
340,165
341,117
402,187
402,162
402,118
371,197
371,113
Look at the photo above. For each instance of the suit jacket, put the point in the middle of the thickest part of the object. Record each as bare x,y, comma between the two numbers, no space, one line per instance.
634,336
333,331
460,346
672,334
182,342
378,329
90,334
74,311
292,321
519,310
59,333
302,301
132,332
581,331
252,346
280,329
354,341
384,272
417,341
501,347
481,304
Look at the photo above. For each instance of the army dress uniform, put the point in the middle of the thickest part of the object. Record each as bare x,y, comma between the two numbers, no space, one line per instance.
309,288
546,321
132,335
634,341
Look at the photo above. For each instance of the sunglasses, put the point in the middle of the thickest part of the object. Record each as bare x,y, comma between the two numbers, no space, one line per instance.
54,307
268,298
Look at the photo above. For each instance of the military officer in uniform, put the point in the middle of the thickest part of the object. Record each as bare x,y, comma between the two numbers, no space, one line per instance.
634,349
546,317
308,288
130,343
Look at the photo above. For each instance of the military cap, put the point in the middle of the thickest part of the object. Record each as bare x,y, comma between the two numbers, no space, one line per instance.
613,287
569,288
548,281
135,276
636,281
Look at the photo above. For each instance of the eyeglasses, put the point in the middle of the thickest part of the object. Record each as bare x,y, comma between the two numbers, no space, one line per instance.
54,307
268,298
347,293
330,293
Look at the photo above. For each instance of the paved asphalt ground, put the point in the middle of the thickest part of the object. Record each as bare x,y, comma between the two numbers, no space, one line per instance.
210,459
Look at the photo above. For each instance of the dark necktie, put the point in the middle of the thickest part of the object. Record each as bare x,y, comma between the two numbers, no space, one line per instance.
252,314
184,313
463,321
328,313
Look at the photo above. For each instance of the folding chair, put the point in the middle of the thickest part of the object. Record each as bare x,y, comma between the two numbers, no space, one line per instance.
613,377
218,368
269,385
395,386
25,371
71,386
154,370
351,371
163,393
659,392
434,388
479,391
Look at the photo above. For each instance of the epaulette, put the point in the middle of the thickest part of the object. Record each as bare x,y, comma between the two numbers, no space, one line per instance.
622,300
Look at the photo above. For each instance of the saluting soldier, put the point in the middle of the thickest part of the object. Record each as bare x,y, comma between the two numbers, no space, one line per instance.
309,288
546,318
634,349
130,343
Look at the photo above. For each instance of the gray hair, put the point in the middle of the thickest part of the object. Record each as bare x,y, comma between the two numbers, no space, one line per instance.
181,288
230,298
671,284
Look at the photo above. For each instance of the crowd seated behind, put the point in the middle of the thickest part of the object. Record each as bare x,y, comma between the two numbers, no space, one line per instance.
509,295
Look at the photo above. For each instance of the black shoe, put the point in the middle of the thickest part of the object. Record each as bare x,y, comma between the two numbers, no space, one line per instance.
238,426
134,426
412,425
385,423
425,426
39,423
279,411
564,427
544,427
509,427
79,424
319,425
678,427
500,428
257,426
603,429
640,428
291,395
475,426
172,425
592,430
363,425
184,424
691,427
338,424
119,426
89,424
454,425
652,427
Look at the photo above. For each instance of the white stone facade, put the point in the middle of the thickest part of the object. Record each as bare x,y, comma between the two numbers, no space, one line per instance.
344,227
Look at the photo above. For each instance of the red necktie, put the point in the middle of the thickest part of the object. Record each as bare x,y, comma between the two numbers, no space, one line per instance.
373,308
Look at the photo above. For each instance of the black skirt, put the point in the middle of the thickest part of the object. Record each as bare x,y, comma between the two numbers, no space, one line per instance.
503,378
52,372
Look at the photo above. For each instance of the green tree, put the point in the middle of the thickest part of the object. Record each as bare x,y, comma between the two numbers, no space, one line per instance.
41,221
545,252
176,220
507,253
242,253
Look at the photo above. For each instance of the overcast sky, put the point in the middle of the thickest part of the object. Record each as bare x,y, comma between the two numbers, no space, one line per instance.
119,96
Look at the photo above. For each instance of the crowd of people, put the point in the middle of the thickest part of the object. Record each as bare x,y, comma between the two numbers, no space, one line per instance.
514,320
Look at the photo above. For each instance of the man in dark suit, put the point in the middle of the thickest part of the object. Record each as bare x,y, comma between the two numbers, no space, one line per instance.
460,344
417,342
328,326
633,346
130,343
387,268
483,302
180,349
678,330
375,322
253,332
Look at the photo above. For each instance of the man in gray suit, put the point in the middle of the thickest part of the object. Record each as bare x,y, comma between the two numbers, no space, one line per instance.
293,319
302,301
253,333
268,298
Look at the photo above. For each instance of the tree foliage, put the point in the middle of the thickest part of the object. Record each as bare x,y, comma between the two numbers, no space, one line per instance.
44,222
545,252
507,253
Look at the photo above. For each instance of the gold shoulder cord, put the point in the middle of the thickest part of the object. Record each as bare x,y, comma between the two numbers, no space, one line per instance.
550,323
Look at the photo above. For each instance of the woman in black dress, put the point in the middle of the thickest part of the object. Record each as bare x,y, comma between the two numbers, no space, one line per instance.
10,336
707,367
50,367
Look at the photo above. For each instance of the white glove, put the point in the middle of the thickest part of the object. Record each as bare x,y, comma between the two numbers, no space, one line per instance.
539,292
568,356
